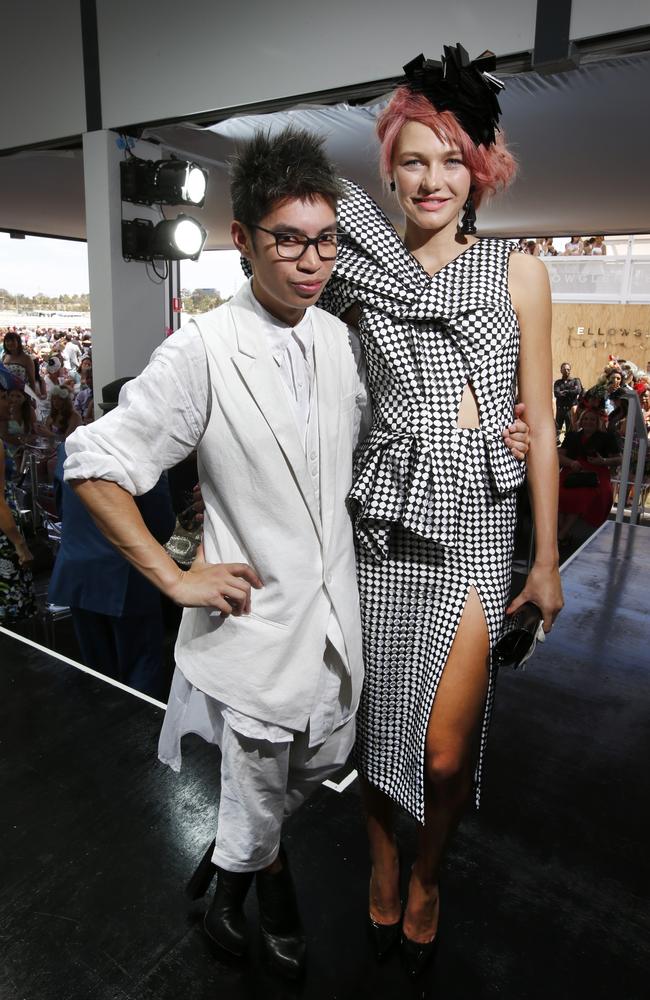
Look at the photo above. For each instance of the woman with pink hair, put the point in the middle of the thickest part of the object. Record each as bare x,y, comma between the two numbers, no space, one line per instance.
449,324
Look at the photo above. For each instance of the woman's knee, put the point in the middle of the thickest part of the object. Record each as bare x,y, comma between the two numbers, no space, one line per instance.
448,769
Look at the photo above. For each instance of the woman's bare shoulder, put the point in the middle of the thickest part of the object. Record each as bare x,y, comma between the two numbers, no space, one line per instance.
528,280
527,267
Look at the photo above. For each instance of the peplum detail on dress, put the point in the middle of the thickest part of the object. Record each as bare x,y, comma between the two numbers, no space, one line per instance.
404,478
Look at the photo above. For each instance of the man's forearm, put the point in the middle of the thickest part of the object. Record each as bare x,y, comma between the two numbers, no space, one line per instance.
115,513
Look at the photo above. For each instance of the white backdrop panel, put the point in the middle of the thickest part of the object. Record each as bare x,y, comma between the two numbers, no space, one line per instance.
160,59
42,72
589,17
42,191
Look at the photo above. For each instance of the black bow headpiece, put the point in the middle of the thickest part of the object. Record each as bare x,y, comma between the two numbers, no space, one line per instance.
465,88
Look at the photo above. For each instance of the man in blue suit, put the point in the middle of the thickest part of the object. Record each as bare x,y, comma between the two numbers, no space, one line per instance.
116,612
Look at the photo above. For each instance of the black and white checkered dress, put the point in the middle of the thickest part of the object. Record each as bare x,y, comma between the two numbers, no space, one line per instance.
432,504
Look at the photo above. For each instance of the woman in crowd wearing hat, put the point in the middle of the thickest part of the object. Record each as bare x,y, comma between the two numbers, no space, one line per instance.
448,325
53,378
16,587
62,419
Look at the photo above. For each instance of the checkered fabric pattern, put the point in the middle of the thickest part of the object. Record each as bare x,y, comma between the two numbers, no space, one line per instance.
433,506
424,338
411,605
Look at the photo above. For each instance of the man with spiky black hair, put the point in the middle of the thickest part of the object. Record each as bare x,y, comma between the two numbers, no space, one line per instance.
267,171
269,664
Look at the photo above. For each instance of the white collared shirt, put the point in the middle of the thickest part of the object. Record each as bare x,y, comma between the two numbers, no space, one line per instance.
292,349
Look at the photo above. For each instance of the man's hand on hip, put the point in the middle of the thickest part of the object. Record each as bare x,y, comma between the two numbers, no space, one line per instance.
225,586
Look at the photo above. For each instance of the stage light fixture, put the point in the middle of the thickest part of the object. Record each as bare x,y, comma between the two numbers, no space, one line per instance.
182,238
163,182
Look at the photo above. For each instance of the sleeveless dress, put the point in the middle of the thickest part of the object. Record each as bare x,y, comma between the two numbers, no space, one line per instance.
17,598
433,506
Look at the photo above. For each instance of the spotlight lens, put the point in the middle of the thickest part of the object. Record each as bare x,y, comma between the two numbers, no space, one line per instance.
194,186
188,237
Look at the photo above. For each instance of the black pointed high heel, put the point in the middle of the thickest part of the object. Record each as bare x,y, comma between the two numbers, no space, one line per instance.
415,956
384,936
199,884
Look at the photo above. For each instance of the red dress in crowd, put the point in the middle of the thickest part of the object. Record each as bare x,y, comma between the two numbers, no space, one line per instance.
591,503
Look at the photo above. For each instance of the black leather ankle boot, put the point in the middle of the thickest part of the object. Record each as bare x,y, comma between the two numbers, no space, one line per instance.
282,933
225,922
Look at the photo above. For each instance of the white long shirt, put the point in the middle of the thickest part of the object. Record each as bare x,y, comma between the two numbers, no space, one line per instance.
292,349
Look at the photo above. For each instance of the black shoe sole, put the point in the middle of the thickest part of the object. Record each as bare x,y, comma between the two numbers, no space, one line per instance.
284,972
222,947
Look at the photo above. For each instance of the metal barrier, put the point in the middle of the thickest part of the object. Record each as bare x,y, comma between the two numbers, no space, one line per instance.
635,426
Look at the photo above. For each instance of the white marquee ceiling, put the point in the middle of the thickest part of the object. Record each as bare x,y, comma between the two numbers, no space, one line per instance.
581,137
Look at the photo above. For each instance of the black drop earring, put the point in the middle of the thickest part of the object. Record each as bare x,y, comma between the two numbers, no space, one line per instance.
392,185
468,221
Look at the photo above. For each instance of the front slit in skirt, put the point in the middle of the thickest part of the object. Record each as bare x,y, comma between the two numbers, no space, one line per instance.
411,606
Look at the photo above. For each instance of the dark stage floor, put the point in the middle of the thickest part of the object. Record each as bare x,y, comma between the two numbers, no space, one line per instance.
545,893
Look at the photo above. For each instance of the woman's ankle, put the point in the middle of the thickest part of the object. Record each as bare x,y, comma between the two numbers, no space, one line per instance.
424,880
384,896
422,911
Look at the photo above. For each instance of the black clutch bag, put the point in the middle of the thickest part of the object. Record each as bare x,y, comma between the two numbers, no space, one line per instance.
518,644
577,480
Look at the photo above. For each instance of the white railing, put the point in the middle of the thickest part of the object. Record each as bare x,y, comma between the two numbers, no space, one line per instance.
599,279
635,427
621,277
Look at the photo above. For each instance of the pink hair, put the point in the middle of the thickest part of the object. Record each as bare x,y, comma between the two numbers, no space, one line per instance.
492,167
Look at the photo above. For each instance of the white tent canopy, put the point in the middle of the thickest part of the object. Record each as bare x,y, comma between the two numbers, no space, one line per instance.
581,138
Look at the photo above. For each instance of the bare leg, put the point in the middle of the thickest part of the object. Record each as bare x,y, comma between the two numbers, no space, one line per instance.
384,901
449,760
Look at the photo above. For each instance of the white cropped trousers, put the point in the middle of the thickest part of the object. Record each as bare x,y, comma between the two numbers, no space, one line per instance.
262,783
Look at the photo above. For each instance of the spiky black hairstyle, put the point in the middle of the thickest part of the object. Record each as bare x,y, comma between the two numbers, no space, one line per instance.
269,169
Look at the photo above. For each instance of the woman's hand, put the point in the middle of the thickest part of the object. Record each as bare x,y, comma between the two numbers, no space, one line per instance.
22,551
224,586
543,588
597,459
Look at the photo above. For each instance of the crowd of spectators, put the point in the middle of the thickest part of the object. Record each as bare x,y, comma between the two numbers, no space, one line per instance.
46,391
594,422
577,246
53,383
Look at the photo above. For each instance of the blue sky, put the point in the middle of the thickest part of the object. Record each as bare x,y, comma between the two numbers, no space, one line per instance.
55,267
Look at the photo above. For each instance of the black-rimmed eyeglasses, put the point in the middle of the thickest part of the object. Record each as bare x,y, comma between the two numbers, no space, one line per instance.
291,246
